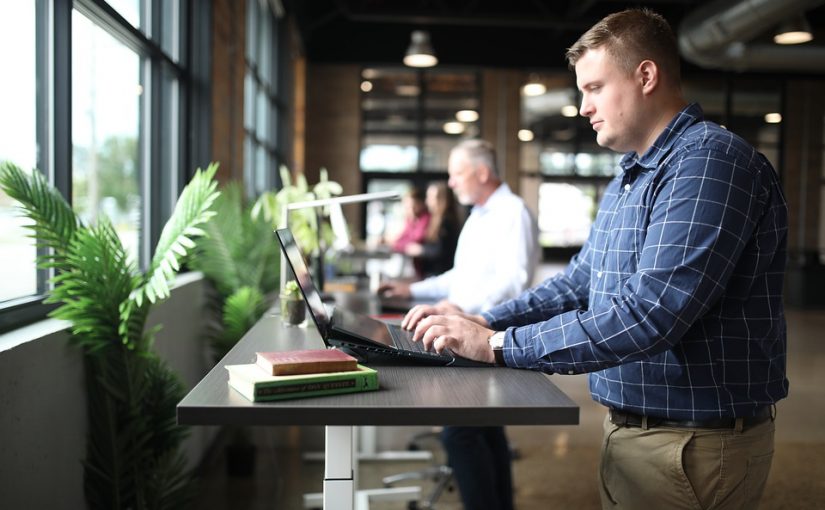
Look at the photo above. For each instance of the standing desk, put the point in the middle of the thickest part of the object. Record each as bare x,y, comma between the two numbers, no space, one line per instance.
408,395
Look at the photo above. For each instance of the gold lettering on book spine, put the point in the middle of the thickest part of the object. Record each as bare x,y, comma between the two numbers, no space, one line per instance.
306,387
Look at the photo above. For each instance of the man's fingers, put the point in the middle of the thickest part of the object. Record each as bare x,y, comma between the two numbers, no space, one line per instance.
445,342
425,324
415,315
432,334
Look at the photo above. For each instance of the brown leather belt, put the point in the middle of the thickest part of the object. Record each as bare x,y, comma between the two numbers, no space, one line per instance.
625,419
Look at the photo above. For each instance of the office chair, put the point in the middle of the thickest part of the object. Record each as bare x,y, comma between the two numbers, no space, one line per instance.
440,474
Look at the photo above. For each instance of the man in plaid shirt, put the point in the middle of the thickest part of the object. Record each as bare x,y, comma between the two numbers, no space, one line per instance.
674,303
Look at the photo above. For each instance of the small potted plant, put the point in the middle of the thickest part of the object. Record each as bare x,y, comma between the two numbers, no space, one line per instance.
293,310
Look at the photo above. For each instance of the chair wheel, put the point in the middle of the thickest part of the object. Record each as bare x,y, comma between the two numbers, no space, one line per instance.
412,447
412,505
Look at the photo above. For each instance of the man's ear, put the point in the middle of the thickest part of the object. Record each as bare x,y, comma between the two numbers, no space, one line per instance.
483,172
648,76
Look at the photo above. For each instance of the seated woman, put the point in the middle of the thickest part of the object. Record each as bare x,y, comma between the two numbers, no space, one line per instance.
435,254
416,221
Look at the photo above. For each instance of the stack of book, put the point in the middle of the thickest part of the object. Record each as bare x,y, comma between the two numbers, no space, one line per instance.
283,375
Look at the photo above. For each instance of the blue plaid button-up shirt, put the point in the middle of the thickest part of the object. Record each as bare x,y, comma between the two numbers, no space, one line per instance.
674,303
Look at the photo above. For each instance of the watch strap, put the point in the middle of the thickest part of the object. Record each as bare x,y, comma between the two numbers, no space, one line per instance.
499,355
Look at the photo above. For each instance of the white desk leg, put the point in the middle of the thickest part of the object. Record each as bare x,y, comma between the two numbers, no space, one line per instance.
339,486
341,476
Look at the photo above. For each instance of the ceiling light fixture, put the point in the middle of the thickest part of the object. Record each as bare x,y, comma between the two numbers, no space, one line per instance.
569,110
773,118
466,115
420,53
795,30
453,128
534,88
525,135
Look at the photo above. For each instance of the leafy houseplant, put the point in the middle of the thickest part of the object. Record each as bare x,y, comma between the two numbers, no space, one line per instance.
293,310
312,236
133,457
239,256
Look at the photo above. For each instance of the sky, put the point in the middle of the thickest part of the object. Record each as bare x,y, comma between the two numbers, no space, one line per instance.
106,80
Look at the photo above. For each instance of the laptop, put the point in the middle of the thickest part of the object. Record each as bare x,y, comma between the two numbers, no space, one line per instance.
366,338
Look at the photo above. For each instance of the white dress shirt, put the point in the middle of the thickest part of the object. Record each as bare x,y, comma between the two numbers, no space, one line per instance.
495,258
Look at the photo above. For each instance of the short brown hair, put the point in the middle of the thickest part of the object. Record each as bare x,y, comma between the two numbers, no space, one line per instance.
629,37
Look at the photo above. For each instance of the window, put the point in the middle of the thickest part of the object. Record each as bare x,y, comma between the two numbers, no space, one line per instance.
560,151
106,121
18,142
264,108
411,121
106,97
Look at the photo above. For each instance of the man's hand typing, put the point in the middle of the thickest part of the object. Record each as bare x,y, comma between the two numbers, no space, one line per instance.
459,333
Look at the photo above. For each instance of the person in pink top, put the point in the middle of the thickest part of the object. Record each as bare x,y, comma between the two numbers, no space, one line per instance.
416,221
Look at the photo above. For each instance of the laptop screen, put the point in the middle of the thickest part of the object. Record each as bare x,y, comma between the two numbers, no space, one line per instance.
299,268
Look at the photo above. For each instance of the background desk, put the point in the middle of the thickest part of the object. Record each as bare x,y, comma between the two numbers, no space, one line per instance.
407,396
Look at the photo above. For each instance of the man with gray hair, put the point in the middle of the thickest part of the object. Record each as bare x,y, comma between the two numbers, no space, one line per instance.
497,250
494,261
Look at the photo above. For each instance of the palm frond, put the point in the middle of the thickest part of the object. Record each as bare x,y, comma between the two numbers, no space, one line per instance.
240,312
54,220
218,251
97,277
176,239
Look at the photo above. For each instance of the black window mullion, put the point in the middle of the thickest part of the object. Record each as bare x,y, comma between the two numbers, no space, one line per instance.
60,83
102,14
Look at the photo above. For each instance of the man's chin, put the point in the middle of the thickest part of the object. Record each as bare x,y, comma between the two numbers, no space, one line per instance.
607,143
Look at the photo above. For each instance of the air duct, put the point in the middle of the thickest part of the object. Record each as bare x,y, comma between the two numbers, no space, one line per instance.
716,36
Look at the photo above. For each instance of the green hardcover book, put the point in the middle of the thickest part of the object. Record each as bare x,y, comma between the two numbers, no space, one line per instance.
256,385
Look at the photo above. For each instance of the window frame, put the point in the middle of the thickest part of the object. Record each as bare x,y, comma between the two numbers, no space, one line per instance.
163,174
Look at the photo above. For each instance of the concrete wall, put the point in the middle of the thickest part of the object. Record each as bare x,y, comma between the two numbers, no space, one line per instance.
43,401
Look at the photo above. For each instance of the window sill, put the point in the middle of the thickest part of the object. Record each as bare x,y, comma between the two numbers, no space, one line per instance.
46,327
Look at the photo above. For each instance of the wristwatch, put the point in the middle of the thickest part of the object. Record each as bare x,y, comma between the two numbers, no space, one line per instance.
496,341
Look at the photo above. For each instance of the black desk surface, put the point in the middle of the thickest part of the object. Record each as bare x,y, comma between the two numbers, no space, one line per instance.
408,395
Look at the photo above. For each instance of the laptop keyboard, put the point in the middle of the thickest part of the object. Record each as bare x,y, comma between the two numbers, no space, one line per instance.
403,340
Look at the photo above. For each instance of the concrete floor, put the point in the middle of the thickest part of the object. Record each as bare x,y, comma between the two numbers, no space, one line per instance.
557,466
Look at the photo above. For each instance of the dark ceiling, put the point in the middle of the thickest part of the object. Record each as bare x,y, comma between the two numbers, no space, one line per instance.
526,34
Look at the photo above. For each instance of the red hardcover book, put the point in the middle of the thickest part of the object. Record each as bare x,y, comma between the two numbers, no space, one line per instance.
310,361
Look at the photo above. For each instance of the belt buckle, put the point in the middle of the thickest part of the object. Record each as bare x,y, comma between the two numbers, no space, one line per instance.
618,418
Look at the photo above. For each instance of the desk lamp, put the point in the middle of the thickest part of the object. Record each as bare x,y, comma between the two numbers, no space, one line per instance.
334,201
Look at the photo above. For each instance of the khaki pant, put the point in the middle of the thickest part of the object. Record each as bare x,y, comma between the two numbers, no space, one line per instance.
680,468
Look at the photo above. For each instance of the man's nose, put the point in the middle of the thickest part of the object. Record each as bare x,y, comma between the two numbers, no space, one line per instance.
586,109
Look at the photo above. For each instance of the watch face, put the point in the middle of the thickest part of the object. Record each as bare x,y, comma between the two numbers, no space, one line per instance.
497,340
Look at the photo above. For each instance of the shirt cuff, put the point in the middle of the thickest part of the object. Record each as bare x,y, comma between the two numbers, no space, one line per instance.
492,318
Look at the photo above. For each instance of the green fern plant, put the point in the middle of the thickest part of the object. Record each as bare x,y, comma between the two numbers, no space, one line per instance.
239,255
133,458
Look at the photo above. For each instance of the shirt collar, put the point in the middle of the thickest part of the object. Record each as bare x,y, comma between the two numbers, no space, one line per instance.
497,195
689,115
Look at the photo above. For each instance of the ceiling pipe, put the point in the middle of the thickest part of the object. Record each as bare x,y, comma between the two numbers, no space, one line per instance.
716,36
